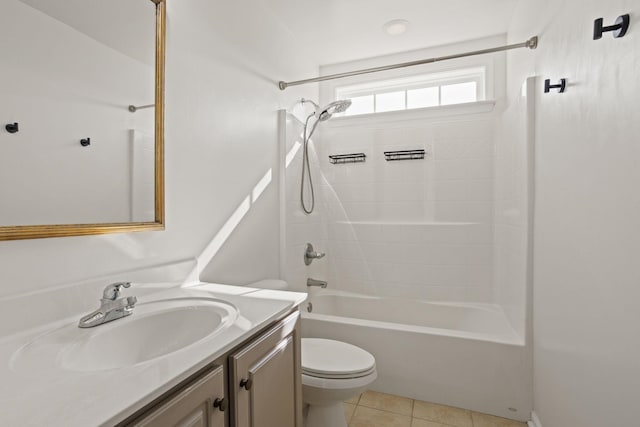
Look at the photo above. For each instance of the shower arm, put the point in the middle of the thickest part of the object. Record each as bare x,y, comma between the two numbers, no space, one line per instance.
303,100
532,43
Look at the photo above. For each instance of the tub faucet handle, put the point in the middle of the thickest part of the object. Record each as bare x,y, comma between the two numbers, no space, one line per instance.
310,254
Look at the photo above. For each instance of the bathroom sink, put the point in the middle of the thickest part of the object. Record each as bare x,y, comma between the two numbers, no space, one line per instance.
155,329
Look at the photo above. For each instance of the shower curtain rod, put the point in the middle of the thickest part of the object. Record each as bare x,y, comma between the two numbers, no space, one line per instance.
532,43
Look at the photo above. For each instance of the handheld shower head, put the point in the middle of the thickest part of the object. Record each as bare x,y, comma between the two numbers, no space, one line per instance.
321,115
335,107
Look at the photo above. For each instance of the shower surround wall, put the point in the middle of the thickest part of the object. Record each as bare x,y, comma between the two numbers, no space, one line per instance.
513,207
298,227
417,228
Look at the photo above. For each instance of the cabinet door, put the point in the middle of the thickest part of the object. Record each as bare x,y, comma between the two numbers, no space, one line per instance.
266,379
193,406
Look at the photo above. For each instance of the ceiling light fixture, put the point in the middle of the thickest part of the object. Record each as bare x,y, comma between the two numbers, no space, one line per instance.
396,27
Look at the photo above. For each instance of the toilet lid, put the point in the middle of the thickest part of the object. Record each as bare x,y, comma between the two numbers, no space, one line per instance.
335,359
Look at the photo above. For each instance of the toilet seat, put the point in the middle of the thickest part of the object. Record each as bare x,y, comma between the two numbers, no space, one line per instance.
329,359
339,384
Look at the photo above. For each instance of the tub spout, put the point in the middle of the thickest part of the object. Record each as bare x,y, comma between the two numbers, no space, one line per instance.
314,282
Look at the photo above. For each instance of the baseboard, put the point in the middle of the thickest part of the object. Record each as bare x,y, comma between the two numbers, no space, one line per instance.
535,421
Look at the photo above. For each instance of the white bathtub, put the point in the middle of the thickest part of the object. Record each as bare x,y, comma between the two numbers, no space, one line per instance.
464,355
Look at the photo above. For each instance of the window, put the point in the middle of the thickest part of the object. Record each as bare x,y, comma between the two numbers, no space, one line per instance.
427,90
458,93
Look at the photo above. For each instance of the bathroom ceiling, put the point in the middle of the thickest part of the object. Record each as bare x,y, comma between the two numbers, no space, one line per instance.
344,30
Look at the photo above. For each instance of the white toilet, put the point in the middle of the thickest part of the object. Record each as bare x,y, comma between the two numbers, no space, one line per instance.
332,372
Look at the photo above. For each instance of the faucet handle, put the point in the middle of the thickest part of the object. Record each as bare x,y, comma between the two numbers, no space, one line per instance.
310,254
112,291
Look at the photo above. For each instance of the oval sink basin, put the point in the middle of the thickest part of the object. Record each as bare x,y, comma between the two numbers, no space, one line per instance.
155,329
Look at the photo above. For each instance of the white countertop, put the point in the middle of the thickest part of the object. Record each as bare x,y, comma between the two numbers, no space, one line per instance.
42,395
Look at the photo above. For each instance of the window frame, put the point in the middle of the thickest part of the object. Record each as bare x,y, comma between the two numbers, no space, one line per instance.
477,74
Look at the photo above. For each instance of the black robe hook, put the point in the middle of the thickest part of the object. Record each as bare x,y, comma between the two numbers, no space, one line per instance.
619,28
562,86
12,127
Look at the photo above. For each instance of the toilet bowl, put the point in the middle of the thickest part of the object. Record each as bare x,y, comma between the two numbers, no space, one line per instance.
332,372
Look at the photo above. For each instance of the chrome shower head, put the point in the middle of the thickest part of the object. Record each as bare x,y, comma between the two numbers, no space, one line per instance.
335,107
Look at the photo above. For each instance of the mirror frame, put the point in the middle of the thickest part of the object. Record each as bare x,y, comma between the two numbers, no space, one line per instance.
63,230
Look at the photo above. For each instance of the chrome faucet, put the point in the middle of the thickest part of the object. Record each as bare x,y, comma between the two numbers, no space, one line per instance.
314,282
112,307
310,254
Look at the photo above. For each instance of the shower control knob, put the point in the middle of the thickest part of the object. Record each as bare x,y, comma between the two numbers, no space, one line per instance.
246,383
310,254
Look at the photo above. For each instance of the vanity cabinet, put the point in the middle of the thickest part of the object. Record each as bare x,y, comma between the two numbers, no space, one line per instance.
265,378
258,384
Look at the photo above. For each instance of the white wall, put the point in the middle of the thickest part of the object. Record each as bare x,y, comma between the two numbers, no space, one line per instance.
221,140
586,293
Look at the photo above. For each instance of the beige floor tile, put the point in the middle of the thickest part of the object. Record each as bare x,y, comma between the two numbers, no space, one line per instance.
387,402
354,400
484,420
369,417
349,409
442,414
417,422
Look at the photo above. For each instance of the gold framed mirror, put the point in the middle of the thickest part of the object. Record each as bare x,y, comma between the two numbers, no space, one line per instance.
63,130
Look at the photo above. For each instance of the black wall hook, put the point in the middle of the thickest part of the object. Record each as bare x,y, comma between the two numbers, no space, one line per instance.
619,28
85,142
12,127
562,86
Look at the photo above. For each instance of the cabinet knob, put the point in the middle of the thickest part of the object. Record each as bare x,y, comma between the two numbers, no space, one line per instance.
221,404
246,384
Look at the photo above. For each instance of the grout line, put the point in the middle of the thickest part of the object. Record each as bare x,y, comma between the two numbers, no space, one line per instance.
413,405
386,410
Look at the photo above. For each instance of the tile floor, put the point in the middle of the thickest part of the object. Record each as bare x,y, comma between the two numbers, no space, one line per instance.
373,409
